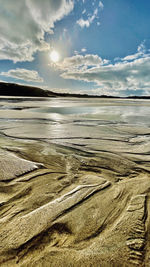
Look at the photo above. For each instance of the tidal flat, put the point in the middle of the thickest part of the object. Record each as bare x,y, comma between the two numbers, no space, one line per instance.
74,182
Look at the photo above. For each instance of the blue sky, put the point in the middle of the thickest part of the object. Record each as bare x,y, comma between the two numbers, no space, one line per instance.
103,47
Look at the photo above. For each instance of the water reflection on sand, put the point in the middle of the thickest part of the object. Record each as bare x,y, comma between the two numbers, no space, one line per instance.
70,118
88,201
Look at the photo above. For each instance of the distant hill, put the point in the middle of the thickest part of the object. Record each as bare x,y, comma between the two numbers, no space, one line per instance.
12,89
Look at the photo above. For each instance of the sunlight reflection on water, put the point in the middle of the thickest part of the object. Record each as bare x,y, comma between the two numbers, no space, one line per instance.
54,116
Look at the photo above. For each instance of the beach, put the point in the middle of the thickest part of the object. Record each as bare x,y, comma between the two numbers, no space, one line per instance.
74,182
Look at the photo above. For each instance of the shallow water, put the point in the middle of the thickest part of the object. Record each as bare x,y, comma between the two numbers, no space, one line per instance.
70,118
134,111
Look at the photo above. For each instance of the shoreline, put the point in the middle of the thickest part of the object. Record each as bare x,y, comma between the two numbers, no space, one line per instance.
20,90
71,195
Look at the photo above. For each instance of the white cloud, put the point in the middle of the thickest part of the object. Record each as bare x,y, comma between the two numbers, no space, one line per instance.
24,75
24,23
47,12
80,62
66,90
2,81
141,48
101,5
83,23
84,11
83,50
140,52
120,76
87,22
76,52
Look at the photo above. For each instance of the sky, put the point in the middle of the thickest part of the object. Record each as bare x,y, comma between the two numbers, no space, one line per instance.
77,46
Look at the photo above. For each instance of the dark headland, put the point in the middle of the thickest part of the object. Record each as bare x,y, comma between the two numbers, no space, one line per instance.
12,89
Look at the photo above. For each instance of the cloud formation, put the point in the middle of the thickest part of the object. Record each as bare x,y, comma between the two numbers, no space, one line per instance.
80,63
124,75
24,75
140,53
86,22
83,50
101,5
24,23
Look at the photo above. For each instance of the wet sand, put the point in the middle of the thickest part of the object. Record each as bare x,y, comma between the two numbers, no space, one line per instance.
74,182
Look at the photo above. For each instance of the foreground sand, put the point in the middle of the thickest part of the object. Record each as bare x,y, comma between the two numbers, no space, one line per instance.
79,202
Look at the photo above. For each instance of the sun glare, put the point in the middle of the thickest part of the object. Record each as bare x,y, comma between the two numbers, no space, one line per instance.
54,56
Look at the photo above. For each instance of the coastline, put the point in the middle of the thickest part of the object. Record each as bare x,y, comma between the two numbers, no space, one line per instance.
19,90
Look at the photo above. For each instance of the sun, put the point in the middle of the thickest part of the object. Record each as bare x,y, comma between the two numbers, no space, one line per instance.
54,56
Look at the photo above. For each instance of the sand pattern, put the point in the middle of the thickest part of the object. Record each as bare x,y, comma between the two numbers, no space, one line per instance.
12,166
74,192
